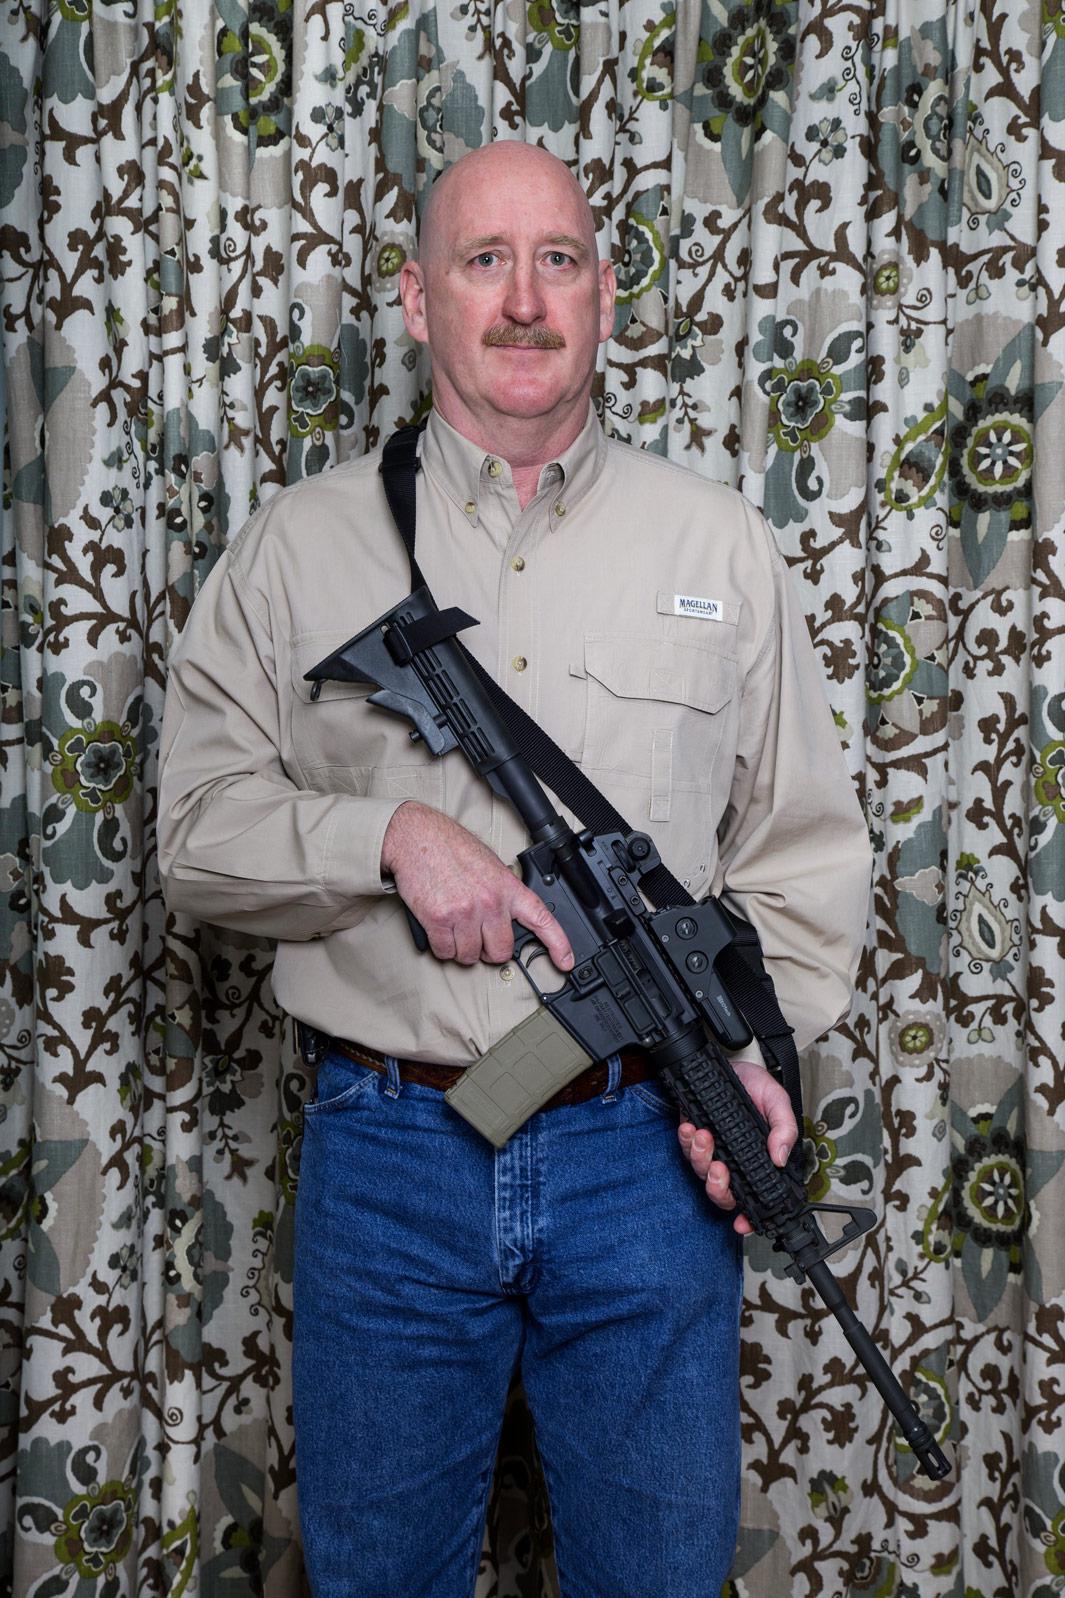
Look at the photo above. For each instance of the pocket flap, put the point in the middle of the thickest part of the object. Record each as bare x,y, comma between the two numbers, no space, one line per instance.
683,674
307,650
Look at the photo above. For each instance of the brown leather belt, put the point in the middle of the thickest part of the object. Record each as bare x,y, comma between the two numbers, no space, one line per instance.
589,1085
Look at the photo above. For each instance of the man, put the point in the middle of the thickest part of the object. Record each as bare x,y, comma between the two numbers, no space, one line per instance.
430,1266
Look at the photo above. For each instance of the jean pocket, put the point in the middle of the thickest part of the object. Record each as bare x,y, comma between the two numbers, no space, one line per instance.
655,1097
339,1083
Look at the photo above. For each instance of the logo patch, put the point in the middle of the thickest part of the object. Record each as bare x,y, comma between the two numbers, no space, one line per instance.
704,609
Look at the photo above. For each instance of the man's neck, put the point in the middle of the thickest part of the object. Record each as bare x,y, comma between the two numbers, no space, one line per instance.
527,444
526,481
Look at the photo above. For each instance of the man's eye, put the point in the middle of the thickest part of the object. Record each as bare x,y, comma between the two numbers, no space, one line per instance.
559,258
486,258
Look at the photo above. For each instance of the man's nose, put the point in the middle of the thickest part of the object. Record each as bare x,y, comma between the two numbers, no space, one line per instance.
524,300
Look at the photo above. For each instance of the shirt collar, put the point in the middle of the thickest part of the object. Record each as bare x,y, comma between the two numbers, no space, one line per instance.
463,469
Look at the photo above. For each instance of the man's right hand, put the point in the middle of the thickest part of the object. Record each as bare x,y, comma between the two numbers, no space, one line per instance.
461,892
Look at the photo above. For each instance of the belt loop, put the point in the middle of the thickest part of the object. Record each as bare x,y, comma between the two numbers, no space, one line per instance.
613,1077
393,1086
312,1044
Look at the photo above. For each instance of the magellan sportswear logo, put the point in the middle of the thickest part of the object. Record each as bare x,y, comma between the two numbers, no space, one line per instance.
692,605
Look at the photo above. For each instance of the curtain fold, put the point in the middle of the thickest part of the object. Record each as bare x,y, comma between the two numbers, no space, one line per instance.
839,234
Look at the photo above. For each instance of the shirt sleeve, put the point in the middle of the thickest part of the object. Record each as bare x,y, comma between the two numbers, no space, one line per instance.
240,843
794,851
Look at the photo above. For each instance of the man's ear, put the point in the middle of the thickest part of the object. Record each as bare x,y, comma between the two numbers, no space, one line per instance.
608,288
412,298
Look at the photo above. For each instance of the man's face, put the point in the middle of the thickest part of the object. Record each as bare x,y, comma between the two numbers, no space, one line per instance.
508,293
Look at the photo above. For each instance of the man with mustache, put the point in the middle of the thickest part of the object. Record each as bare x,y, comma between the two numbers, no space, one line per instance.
643,616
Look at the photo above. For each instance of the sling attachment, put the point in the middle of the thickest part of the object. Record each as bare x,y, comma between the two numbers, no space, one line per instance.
740,965
405,639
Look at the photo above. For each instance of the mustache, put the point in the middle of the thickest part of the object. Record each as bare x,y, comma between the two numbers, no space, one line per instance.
513,336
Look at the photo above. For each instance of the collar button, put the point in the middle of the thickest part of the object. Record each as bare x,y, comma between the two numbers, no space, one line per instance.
470,507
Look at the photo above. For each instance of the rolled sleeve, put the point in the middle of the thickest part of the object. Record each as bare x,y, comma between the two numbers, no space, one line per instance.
794,852
241,844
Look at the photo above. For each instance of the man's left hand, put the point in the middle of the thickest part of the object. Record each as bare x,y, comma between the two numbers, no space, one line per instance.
771,1099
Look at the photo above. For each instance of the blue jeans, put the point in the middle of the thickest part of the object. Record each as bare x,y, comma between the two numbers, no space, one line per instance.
429,1267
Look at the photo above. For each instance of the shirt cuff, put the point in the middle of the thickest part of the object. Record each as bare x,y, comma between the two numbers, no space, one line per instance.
752,1054
351,863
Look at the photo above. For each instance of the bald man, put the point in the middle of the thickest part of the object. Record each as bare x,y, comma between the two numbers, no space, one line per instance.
429,1266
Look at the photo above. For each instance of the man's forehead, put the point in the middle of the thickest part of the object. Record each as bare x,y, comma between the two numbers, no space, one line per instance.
471,243
507,188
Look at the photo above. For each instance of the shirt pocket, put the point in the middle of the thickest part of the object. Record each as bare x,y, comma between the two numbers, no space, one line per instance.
343,744
659,718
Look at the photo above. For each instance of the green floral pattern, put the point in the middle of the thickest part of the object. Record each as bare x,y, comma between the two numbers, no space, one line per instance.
834,235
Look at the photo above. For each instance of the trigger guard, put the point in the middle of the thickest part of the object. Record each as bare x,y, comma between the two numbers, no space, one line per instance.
527,948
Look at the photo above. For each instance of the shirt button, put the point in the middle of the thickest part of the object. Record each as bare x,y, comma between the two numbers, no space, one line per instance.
518,564
560,509
506,975
519,663
494,468
471,507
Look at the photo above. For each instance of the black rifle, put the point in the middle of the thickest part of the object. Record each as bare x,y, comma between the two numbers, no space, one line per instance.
640,978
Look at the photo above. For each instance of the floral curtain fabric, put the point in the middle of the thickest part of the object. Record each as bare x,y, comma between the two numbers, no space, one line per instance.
838,232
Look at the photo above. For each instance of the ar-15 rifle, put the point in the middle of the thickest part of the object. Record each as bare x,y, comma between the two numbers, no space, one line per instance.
640,978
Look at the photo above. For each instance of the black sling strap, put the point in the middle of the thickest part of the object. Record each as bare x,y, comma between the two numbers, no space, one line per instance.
740,966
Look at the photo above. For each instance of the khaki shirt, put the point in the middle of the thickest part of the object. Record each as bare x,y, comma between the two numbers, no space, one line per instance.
705,724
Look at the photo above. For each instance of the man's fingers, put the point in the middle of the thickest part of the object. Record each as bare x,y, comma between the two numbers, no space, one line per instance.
717,1185
467,943
441,942
782,1129
531,912
463,895
497,939
780,1146
698,1146
770,1098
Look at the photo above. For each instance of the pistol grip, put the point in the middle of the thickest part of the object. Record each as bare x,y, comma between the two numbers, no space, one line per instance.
417,931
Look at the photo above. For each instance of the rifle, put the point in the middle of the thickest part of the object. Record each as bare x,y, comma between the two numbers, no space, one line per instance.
640,978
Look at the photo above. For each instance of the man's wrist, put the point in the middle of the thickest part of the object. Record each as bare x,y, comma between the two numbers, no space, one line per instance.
394,832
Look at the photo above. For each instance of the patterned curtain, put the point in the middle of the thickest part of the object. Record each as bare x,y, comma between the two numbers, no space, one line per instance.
838,226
